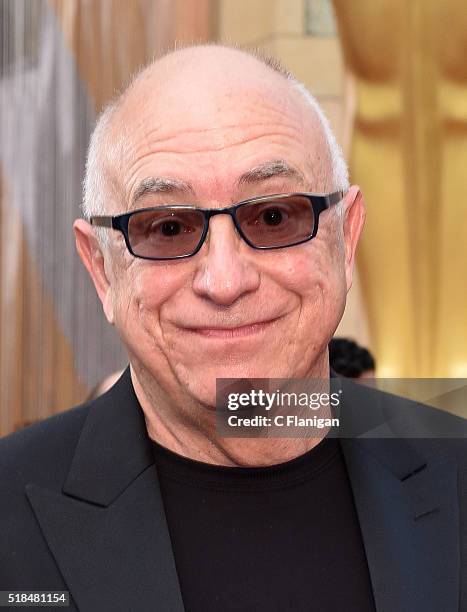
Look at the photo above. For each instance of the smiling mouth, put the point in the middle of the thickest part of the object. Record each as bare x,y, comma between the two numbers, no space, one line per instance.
233,332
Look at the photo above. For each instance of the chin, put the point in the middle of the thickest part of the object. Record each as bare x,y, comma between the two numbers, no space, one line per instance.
200,381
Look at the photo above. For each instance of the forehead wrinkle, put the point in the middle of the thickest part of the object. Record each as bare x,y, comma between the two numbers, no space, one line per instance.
142,154
154,140
188,147
160,135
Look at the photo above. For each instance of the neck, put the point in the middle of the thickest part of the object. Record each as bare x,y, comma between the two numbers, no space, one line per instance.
191,431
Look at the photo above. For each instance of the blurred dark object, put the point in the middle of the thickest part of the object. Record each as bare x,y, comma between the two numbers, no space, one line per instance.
349,359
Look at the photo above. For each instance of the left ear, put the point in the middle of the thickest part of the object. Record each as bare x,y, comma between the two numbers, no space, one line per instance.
354,219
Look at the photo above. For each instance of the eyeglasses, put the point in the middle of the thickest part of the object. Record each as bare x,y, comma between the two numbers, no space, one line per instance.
178,231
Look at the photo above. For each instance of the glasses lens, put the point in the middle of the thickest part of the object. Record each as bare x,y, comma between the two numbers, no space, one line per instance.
277,222
166,232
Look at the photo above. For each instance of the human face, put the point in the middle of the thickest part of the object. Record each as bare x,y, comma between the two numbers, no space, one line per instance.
229,311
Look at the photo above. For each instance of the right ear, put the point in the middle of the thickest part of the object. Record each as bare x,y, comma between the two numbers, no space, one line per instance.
92,257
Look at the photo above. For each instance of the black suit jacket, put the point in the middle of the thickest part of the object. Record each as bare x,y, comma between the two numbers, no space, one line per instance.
81,509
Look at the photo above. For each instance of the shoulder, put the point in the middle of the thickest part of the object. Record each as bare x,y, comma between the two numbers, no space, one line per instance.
443,448
42,452
367,408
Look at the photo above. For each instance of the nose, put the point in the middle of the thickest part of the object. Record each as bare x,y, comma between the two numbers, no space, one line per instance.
224,273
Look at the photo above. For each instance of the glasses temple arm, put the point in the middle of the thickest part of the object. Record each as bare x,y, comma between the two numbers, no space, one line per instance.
102,221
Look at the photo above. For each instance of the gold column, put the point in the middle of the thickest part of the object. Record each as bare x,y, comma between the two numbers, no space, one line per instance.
450,17
409,154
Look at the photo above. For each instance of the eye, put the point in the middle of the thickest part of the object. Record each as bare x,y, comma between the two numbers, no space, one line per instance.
273,215
169,227
270,215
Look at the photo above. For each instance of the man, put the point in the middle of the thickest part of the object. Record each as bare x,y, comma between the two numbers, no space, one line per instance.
134,501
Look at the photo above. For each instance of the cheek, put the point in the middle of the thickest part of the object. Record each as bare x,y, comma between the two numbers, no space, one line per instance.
316,275
310,270
143,293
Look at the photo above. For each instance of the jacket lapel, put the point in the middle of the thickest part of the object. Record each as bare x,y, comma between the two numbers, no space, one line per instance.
107,528
408,510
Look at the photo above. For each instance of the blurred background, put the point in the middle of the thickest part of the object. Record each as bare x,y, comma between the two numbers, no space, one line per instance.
391,76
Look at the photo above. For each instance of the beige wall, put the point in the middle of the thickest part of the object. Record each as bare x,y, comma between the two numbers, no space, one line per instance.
279,28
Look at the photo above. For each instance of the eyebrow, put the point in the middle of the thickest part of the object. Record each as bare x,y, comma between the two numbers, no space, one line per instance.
270,169
160,184
262,172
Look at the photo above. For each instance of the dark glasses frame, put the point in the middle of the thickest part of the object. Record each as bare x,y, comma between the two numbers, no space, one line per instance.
317,202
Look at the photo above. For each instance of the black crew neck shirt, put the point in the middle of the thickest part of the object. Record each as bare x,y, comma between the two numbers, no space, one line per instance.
278,538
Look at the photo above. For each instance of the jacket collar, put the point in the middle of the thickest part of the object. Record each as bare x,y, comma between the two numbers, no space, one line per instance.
113,448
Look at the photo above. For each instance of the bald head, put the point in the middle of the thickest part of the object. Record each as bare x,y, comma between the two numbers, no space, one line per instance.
210,68
204,90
